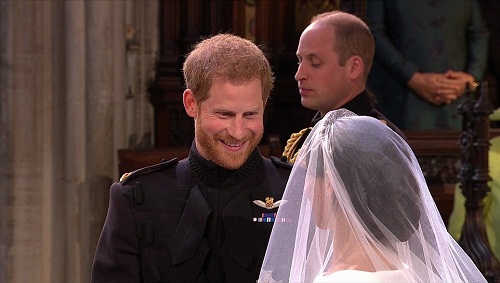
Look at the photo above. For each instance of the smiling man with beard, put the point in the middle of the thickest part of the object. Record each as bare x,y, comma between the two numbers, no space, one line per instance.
206,218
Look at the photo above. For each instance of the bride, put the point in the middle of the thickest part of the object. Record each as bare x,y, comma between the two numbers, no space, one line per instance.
357,209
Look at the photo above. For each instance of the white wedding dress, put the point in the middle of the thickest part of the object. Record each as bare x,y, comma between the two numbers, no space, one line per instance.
356,276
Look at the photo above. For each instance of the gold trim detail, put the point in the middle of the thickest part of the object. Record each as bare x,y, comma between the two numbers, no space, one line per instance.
291,149
124,176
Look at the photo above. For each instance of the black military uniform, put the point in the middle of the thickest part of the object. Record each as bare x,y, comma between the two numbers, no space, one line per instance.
190,221
361,105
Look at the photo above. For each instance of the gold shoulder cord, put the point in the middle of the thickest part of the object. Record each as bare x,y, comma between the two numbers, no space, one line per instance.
291,149
124,176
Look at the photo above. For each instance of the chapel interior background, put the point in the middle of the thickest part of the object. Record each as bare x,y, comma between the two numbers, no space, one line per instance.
91,89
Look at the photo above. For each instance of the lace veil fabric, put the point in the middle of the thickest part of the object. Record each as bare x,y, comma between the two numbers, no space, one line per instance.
357,200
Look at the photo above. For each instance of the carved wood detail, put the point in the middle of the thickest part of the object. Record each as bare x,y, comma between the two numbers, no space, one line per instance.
439,168
474,143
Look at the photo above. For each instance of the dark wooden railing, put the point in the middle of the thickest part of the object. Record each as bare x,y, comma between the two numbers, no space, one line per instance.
474,177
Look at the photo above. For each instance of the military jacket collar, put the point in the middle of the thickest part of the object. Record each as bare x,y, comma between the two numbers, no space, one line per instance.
360,105
214,175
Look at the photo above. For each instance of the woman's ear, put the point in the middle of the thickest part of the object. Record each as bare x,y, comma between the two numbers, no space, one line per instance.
356,67
190,103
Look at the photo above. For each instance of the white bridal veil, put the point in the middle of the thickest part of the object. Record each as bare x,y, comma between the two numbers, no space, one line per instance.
357,209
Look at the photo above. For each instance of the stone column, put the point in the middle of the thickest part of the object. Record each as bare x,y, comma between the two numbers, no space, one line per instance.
62,120
28,140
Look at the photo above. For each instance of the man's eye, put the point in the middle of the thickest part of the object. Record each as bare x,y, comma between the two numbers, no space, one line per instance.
250,115
224,114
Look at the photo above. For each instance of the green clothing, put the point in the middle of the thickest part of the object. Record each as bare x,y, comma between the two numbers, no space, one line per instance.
426,36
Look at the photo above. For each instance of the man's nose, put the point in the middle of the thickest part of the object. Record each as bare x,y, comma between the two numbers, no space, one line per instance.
237,128
299,75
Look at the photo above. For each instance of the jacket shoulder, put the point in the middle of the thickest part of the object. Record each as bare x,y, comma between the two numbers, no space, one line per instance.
281,162
294,144
148,169
378,115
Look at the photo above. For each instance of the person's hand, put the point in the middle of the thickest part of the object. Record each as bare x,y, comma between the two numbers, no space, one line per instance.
434,87
458,81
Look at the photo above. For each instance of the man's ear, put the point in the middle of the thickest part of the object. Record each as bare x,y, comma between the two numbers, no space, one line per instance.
356,67
190,103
